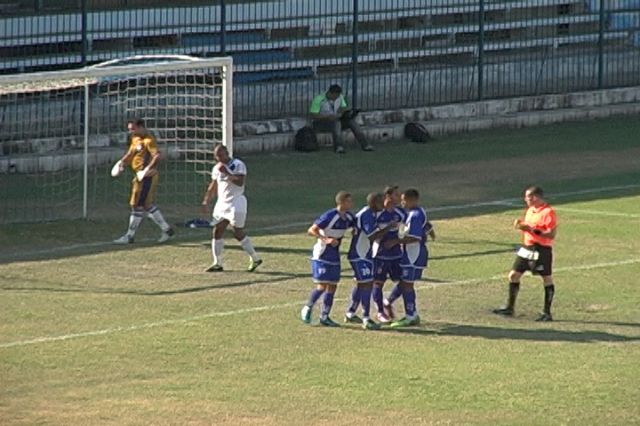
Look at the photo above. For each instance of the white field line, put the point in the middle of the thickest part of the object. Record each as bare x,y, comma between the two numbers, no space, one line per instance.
597,212
431,285
516,204
511,202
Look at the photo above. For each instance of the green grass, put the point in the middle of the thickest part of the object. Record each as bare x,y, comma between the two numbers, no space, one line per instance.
103,335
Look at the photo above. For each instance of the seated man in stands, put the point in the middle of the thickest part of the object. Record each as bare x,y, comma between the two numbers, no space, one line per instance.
329,113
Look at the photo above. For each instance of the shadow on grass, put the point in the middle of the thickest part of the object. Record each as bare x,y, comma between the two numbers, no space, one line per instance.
613,323
499,333
277,277
187,237
307,252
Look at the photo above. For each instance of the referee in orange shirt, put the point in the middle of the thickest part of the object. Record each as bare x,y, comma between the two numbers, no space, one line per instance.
539,231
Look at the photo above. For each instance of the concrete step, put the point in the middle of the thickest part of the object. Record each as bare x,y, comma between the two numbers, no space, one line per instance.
278,135
381,133
67,160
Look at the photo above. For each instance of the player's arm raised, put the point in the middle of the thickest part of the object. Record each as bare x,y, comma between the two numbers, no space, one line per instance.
237,180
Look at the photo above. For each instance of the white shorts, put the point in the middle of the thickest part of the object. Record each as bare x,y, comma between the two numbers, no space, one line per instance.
235,212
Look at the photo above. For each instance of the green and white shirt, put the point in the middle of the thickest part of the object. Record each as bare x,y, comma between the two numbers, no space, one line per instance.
323,106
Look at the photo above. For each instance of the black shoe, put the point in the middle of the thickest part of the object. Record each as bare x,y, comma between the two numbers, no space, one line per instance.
214,268
505,311
544,317
368,148
340,150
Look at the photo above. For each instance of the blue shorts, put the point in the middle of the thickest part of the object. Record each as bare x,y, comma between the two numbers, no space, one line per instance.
387,268
325,272
411,273
362,270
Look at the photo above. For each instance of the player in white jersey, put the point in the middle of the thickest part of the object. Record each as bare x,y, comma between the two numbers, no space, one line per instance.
227,182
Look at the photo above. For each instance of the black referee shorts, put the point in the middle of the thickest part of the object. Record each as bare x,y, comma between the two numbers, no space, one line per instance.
542,266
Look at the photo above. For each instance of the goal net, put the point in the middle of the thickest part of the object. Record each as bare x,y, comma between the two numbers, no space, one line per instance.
61,132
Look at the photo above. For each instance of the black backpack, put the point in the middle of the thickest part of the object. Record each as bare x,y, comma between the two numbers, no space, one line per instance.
306,140
416,132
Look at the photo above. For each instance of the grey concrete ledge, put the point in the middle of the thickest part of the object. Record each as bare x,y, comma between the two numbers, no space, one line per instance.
380,126
459,110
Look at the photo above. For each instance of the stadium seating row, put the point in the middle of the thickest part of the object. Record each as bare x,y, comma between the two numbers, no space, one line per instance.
272,40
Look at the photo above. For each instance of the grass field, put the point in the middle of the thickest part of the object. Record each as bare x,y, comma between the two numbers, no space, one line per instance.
93,334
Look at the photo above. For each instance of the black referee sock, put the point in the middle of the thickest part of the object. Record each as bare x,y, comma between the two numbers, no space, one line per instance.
549,291
514,288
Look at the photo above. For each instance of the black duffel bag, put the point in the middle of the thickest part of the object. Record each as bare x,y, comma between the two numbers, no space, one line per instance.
306,140
416,132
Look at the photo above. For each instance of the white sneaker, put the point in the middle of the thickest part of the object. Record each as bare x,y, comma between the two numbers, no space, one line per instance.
383,318
166,235
125,239
305,314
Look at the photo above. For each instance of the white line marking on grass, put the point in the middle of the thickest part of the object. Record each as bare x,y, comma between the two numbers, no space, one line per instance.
598,212
511,202
144,326
429,285
594,190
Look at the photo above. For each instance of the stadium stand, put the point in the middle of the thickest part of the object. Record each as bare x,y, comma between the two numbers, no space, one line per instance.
274,40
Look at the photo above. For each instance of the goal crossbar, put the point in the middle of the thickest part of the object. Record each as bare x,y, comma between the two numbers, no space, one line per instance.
160,66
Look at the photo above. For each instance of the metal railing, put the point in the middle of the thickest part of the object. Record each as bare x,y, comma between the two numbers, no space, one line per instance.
387,54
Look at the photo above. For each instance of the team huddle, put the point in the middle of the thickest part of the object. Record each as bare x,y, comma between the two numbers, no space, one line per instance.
389,241
389,237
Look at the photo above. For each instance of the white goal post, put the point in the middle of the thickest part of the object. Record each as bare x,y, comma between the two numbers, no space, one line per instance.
60,130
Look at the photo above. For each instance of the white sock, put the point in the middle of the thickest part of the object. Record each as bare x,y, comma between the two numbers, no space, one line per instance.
134,221
156,216
216,251
248,247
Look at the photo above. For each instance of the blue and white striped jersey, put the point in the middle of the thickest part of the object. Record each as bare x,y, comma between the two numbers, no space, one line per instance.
365,225
333,225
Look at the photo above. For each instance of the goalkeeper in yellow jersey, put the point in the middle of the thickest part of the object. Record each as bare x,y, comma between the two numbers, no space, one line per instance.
143,157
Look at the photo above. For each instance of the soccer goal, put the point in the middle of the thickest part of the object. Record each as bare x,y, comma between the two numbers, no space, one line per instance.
62,131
